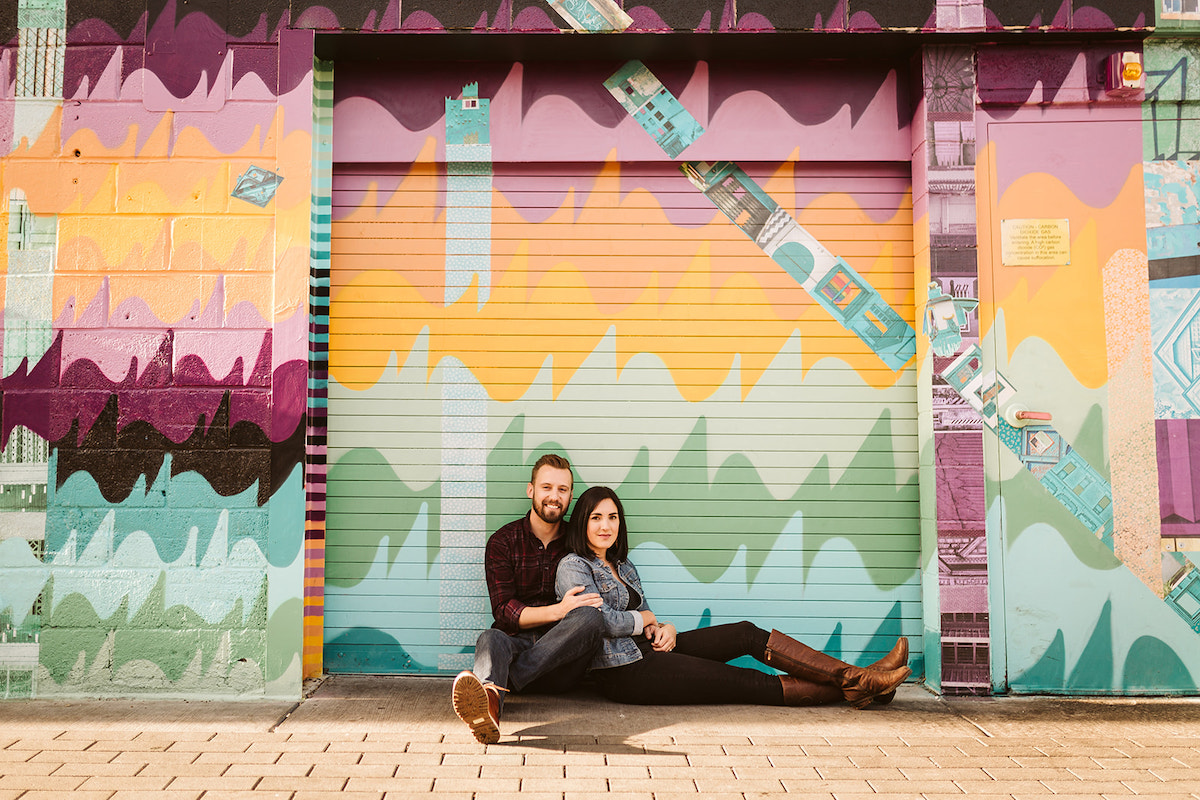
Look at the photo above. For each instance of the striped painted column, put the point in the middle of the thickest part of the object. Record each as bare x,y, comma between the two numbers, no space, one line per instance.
316,434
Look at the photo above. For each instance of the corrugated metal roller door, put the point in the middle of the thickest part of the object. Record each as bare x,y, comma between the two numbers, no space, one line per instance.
610,312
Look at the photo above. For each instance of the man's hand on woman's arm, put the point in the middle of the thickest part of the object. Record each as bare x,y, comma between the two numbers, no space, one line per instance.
537,616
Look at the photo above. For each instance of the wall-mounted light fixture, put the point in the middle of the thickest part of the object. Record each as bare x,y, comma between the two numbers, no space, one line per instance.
1124,75
1019,416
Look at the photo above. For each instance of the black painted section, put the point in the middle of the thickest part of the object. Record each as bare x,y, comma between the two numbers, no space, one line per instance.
259,21
1106,14
349,15
230,458
117,21
8,28
105,21
678,15
1027,14
215,10
285,457
892,13
464,15
1181,267
532,47
536,15
794,15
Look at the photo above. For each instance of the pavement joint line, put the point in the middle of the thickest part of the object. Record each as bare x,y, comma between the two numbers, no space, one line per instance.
283,718
981,729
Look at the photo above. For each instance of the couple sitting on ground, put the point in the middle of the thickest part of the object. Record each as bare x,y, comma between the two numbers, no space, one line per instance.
567,601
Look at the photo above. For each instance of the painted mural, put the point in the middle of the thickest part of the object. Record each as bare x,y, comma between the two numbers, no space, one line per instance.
1085,396
1172,150
154,382
669,361
179,317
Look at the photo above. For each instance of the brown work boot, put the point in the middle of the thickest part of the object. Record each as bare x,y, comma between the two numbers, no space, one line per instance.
859,686
478,704
898,657
799,692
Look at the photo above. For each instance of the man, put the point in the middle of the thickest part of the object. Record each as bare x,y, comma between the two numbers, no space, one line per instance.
536,644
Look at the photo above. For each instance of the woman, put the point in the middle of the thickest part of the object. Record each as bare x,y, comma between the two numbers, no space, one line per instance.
644,660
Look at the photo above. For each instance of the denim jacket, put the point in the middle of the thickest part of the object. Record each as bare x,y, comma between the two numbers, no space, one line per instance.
619,625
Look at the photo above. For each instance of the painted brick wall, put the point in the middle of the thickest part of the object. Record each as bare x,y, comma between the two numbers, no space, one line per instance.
158,531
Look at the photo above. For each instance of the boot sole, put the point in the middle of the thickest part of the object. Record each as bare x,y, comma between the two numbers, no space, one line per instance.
471,706
862,703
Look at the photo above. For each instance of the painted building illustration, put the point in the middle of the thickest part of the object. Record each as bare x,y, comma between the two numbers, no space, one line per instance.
1041,449
658,111
295,295
828,279
1183,592
592,16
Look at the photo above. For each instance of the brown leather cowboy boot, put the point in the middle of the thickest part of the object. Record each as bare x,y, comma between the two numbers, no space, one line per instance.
478,704
898,657
859,686
799,692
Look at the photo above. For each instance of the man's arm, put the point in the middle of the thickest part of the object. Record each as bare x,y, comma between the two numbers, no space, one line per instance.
501,582
537,616
513,614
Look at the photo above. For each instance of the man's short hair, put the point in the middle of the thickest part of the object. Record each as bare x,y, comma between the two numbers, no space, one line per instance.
550,460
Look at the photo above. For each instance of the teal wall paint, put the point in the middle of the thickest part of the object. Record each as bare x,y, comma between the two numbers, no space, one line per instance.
187,610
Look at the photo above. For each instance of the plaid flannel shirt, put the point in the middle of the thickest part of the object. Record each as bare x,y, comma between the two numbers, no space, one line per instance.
520,572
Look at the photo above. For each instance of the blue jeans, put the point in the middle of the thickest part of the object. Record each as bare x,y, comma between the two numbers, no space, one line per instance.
548,663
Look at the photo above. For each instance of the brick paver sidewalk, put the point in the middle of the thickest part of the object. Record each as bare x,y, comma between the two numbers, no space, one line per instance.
360,738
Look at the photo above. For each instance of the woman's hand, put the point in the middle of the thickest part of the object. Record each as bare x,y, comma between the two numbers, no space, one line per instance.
648,619
661,636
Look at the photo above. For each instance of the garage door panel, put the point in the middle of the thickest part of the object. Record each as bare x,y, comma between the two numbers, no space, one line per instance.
835,427
676,254
769,578
653,238
859,527
812,408
647,373
868,483
482,314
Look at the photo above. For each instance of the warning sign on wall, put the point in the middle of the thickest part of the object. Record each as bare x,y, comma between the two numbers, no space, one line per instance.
1035,242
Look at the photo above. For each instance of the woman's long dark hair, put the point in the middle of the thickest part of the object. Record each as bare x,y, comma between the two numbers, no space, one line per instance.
576,541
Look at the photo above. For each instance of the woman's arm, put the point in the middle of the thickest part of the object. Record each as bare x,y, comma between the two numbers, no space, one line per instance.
575,571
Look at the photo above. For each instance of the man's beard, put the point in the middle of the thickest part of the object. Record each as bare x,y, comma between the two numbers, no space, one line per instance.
550,515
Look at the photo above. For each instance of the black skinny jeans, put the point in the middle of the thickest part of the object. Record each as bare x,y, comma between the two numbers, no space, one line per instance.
695,672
